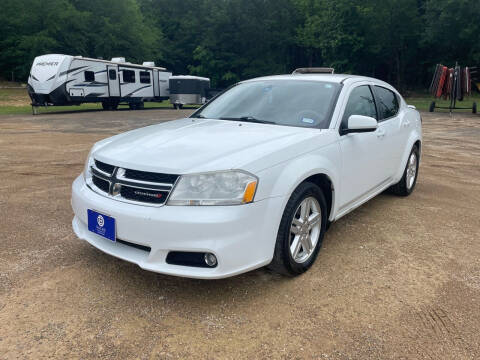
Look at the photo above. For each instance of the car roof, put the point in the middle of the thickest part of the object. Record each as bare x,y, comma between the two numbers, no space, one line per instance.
334,78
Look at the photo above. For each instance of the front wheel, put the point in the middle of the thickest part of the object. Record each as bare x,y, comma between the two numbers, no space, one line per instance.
301,231
409,179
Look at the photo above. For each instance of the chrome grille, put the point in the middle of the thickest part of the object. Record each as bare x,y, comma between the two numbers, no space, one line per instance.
140,187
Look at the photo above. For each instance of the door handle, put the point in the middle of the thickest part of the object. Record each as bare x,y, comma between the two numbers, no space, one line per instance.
380,133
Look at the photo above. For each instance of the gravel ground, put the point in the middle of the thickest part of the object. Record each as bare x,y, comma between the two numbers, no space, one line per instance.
398,278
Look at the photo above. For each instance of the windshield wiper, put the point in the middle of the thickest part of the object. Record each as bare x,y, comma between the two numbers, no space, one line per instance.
248,119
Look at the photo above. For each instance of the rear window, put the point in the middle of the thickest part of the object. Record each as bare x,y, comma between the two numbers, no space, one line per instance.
128,76
387,103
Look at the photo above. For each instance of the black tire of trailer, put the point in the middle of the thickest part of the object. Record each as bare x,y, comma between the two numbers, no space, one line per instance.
474,108
109,105
432,106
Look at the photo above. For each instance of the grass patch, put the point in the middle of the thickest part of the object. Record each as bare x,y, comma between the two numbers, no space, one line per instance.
27,109
17,102
422,102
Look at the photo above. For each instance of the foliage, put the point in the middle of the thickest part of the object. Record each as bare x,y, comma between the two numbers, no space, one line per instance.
399,41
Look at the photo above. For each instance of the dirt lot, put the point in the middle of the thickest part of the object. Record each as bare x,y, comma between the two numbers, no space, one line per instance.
398,278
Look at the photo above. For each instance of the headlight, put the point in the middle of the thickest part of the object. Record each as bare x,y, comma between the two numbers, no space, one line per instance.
215,188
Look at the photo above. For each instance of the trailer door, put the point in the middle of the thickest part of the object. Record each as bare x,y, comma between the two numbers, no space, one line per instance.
156,85
113,81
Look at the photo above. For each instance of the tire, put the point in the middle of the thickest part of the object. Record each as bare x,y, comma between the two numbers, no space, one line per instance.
141,105
284,262
106,105
114,105
474,108
432,107
132,106
405,186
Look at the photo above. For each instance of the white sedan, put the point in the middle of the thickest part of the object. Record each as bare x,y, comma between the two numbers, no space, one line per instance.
253,178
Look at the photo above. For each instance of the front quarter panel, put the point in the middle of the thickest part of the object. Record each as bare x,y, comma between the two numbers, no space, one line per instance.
282,179
415,134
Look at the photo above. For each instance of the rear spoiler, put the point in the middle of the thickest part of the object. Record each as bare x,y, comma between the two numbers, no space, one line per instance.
314,70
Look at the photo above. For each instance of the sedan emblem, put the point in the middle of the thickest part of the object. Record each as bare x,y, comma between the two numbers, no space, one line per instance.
100,221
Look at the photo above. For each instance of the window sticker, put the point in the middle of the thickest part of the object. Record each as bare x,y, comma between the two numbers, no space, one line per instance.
308,120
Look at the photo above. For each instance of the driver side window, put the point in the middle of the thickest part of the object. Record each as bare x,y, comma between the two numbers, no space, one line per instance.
360,102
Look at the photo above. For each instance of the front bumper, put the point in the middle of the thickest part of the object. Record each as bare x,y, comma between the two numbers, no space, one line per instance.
241,237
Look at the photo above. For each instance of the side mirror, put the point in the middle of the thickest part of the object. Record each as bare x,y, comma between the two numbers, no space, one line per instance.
360,124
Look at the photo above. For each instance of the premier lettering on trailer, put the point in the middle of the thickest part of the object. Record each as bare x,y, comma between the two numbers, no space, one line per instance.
51,63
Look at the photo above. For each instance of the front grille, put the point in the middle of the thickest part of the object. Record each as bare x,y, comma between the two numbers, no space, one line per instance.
143,195
150,176
104,167
132,185
101,184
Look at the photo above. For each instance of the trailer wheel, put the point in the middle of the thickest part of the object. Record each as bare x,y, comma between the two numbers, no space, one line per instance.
140,105
432,107
474,108
114,105
106,105
132,106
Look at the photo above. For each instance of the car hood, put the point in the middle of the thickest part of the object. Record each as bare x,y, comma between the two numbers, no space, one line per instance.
200,145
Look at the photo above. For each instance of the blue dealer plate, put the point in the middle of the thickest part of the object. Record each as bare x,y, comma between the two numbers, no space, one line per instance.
102,225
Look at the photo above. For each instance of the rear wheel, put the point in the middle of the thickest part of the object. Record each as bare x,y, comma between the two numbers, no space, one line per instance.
301,231
106,105
409,179
432,106
474,108
133,106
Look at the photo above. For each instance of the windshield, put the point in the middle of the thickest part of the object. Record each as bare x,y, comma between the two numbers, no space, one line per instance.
283,102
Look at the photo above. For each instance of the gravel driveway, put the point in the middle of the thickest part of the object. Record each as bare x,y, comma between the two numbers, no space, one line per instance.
397,278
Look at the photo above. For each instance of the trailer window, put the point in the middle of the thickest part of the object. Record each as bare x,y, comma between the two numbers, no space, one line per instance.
144,77
112,74
128,76
89,76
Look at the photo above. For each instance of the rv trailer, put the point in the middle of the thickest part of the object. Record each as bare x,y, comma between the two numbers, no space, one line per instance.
188,90
72,80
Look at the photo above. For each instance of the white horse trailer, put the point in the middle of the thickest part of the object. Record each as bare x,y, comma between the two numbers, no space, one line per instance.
73,80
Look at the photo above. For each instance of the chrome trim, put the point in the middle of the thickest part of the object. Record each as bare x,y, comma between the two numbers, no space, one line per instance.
94,166
121,176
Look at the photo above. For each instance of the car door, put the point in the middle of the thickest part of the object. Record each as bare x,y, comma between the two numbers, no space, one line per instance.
390,124
362,168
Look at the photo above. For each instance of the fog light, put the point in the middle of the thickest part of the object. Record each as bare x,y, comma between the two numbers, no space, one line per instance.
210,259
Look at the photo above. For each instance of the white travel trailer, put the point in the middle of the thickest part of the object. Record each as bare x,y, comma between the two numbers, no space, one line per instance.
72,80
